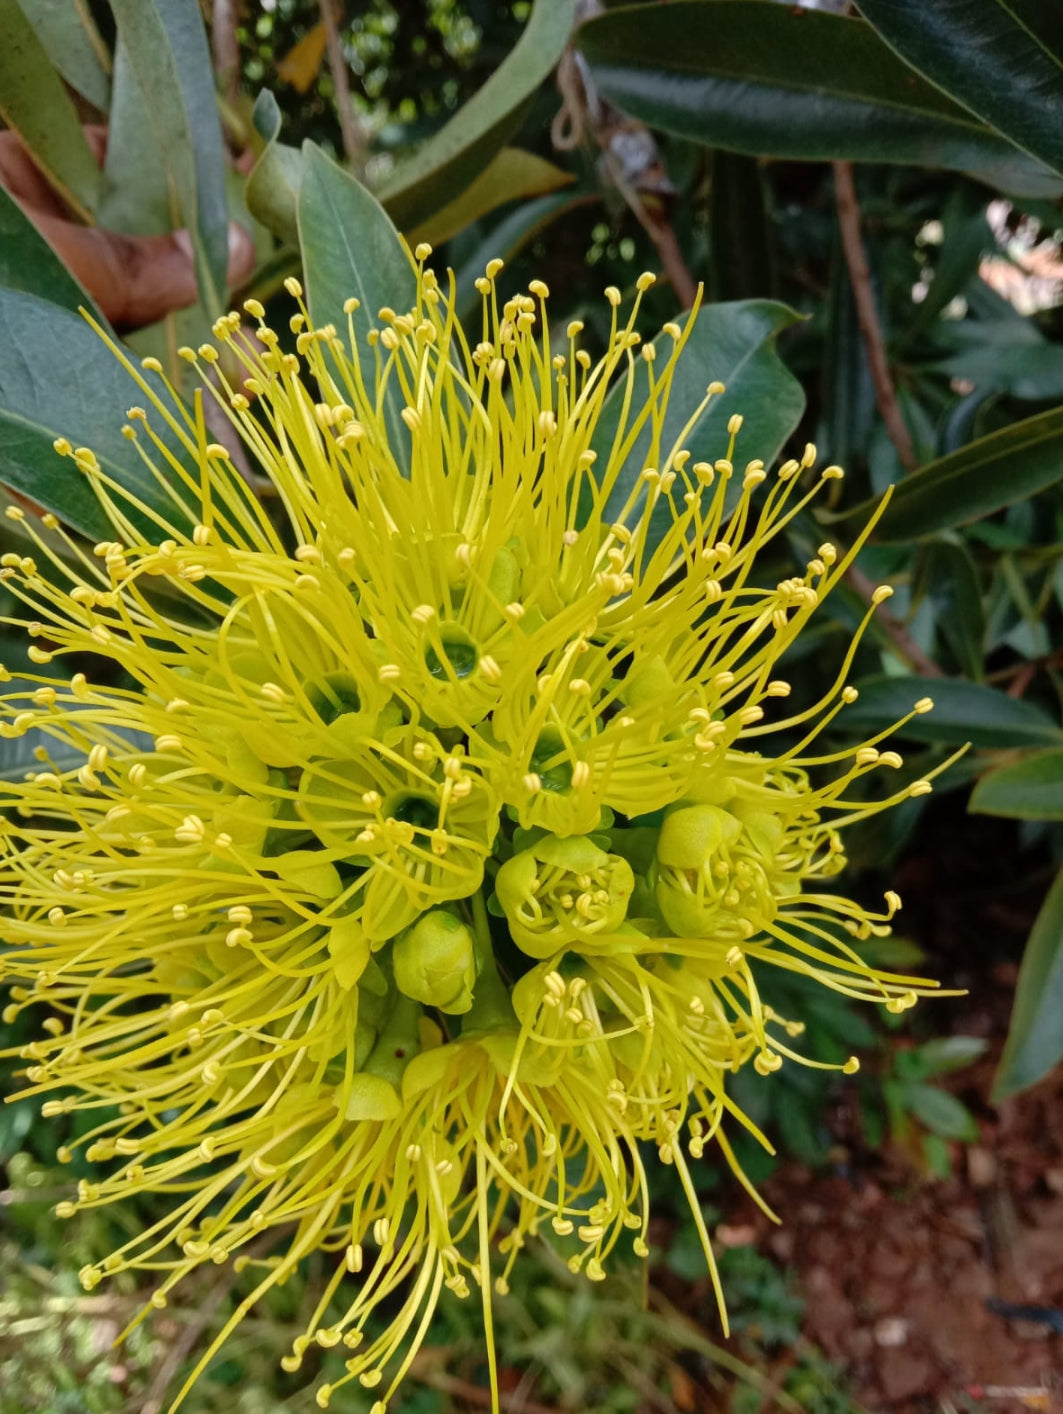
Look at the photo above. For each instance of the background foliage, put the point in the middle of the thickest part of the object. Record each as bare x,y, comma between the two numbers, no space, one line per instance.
872,202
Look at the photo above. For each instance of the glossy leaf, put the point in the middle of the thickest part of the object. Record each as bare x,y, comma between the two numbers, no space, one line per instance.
735,344
350,248
512,174
28,262
68,33
963,712
450,160
784,81
85,402
1002,59
272,191
167,50
995,471
35,104
1035,1039
1028,789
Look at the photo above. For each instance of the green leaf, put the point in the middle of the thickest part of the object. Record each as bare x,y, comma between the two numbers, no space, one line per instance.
963,712
450,160
967,237
34,103
1002,59
58,379
1028,789
996,471
351,248
509,237
940,1112
735,344
1007,356
68,33
848,394
167,50
138,194
510,175
741,264
784,81
948,1053
272,191
945,572
1035,1038
28,262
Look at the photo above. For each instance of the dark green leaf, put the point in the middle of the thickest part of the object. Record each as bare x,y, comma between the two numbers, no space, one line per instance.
945,572
73,43
58,379
963,711
1007,466
784,81
350,248
988,56
272,191
734,344
740,257
1028,789
1035,1040
941,1112
450,160
511,175
848,411
167,50
967,237
28,263
35,104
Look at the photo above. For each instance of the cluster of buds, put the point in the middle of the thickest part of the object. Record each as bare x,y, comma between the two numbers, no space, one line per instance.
401,859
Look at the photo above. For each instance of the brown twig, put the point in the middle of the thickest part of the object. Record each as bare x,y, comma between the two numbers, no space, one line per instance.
867,315
353,139
662,233
892,627
630,156
1020,675
226,47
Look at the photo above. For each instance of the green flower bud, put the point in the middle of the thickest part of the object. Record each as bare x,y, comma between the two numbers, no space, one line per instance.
718,875
564,893
435,962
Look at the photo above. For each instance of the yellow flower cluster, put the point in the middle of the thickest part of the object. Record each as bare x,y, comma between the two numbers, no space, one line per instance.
403,846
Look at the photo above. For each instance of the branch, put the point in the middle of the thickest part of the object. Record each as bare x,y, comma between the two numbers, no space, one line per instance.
226,48
353,139
867,314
